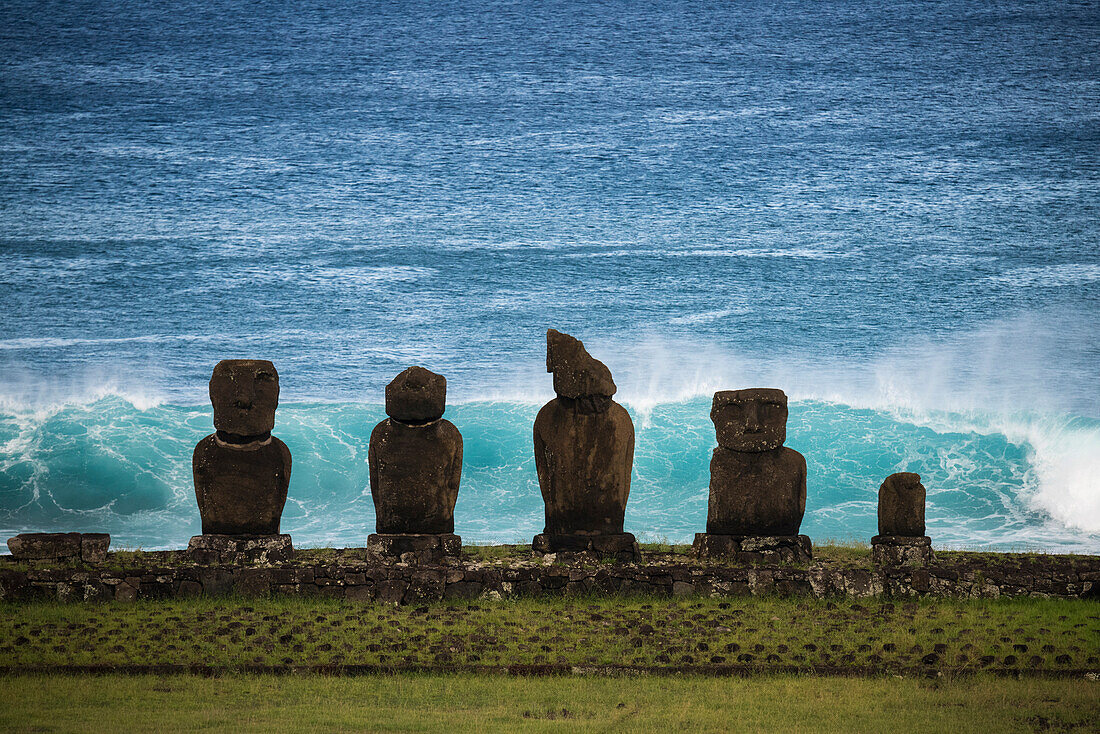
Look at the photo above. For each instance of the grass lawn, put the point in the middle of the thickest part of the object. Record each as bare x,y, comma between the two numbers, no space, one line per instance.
764,634
457,703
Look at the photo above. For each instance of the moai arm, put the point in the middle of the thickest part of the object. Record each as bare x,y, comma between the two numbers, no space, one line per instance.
802,482
542,467
372,464
456,463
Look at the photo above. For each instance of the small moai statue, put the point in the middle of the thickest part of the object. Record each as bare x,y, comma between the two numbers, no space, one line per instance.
241,471
757,485
584,453
901,540
415,459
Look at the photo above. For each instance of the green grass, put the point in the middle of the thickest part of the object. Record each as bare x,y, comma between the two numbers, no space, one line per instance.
761,633
465,703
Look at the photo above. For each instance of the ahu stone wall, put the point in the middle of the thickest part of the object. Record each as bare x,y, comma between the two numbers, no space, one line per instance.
355,575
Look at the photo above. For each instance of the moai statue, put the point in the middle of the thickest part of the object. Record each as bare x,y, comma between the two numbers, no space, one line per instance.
757,485
584,452
901,540
415,462
241,471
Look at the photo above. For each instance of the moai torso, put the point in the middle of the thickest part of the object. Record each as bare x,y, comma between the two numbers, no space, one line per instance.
901,501
584,444
757,485
242,472
415,458
241,490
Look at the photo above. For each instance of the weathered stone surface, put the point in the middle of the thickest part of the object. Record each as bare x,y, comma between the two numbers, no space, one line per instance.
750,420
245,394
87,547
619,546
901,505
577,374
239,549
416,395
415,472
414,548
167,574
241,489
757,486
584,445
901,550
755,549
93,547
242,472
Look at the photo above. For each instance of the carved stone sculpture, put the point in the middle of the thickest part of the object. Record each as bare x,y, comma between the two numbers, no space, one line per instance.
757,485
584,452
901,540
241,471
415,462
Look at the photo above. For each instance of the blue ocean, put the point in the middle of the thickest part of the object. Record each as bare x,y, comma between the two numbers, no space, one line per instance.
889,210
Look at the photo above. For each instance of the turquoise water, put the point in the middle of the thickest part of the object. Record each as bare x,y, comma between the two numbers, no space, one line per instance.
116,467
889,210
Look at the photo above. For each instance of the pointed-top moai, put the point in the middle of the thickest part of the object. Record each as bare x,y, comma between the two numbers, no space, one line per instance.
901,540
241,471
584,452
415,462
757,485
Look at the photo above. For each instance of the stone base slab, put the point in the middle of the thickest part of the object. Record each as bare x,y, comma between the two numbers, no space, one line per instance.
899,550
86,547
224,549
414,548
755,549
620,546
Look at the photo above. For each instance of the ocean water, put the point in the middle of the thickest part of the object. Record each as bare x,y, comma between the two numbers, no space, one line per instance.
891,211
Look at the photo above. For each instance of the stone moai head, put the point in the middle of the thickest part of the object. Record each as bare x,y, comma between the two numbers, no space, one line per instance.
416,395
901,505
577,374
750,420
245,394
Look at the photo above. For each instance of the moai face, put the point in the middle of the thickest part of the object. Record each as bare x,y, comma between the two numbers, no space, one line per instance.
245,394
751,420
416,395
577,374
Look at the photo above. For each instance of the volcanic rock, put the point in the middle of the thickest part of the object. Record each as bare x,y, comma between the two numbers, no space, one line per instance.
242,472
415,467
757,486
584,445
416,395
901,505
245,394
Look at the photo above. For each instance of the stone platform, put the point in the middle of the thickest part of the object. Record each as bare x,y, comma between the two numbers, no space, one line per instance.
755,549
355,575
899,550
414,548
240,549
85,547
621,547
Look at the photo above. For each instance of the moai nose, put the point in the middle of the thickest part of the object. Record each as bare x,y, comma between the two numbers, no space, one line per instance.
752,420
